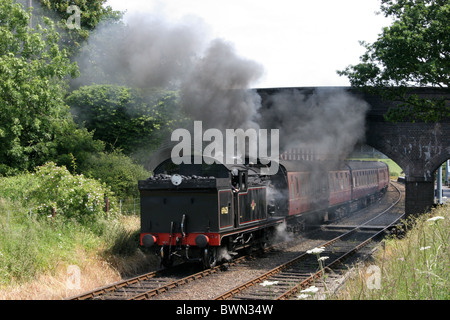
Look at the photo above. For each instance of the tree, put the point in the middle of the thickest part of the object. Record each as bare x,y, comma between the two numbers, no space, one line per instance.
91,13
34,119
125,118
117,170
413,51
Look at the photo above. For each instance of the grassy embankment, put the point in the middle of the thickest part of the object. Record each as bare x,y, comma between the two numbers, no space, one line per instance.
413,267
37,250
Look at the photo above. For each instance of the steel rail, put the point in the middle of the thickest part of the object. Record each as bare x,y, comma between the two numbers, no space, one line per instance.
115,286
152,292
305,283
177,283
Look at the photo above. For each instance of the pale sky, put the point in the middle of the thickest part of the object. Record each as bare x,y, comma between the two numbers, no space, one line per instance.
300,43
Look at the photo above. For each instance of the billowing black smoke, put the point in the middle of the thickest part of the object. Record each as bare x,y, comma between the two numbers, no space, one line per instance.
328,122
151,52
217,90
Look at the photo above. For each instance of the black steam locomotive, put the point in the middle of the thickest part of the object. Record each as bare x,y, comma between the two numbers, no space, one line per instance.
205,212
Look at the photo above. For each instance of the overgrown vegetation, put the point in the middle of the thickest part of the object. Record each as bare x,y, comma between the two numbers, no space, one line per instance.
125,118
117,171
35,238
55,173
414,267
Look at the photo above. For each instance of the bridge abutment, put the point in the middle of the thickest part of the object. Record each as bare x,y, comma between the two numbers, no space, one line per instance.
419,196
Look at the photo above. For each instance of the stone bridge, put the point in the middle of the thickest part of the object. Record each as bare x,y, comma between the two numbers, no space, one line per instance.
418,148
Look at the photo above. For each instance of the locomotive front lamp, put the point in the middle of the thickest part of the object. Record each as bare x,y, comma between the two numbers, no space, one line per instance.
176,179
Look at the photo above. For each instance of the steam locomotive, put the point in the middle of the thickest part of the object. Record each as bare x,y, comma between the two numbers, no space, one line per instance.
206,212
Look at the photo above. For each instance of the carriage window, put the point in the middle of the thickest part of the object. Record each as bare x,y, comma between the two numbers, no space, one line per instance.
292,188
303,186
340,182
243,180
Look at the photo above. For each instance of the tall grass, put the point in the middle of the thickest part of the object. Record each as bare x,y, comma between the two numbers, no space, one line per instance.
30,247
414,267
33,242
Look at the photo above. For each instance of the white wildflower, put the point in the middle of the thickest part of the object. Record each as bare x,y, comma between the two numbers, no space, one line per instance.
268,283
312,289
316,250
436,218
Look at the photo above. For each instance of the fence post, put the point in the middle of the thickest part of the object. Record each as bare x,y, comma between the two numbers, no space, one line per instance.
107,204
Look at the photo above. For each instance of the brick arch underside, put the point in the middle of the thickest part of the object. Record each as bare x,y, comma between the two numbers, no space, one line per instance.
418,148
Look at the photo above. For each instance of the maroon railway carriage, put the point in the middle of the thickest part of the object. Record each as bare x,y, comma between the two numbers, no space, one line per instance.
368,178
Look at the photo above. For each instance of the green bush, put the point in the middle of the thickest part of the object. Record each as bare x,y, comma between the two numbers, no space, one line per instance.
123,117
52,187
31,240
118,171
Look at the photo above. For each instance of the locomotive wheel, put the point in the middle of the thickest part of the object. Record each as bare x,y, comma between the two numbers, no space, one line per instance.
209,258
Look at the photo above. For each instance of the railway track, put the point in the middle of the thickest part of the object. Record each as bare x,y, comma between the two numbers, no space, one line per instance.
148,285
286,280
290,277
